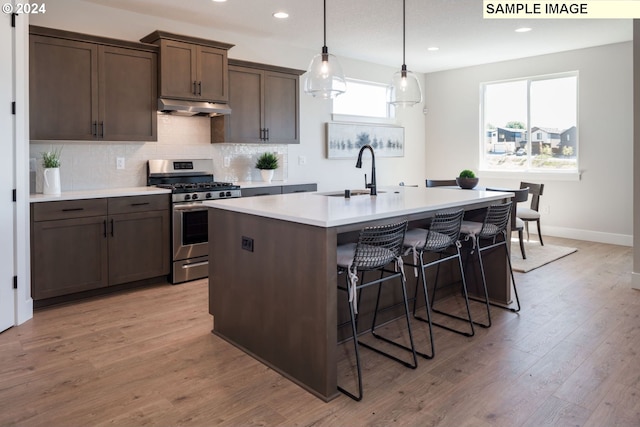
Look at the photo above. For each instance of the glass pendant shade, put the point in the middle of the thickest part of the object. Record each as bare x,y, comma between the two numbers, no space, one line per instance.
405,89
324,78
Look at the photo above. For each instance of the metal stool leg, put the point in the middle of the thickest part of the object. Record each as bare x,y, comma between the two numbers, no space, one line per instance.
412,347
427,306
513,280
466,301
357,397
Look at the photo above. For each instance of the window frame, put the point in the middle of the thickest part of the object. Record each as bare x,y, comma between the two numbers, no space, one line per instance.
390,113
528,172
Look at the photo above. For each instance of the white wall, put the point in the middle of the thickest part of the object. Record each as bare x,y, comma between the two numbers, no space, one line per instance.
74,15
599,206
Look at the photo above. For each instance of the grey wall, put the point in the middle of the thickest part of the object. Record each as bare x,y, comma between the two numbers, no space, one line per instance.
597,207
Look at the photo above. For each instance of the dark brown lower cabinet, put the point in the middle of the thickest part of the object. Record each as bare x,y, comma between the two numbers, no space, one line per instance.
139,246
68,256
80,245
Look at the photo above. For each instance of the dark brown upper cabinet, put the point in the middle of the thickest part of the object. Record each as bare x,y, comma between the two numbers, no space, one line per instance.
265,106
83,87
191,68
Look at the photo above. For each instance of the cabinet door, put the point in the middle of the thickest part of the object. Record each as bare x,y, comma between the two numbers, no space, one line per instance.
178,69
68,256
63,89
128,101
138,246
281,108
245,100
212,74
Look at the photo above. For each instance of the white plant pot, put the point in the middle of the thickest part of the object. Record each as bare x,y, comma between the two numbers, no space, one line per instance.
51,181
267,174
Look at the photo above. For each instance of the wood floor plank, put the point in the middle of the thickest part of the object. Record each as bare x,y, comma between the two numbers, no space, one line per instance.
147,357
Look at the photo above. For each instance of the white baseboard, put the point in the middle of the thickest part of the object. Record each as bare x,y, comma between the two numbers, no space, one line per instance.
635,280
588,235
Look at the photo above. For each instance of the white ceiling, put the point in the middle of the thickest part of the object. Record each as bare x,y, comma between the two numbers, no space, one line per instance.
371,30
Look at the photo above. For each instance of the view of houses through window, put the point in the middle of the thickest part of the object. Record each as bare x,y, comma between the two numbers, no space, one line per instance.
530,124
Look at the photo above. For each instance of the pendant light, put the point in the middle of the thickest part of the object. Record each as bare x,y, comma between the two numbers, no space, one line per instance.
405,88
324,78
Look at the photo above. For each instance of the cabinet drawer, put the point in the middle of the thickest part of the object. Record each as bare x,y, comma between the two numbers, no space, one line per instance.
156,202
299,188
68,209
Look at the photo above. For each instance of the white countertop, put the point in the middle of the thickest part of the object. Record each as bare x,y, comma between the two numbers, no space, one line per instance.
98,194
324,211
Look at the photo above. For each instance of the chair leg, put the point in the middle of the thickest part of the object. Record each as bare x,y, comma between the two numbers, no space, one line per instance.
486,292
539,232
354,332
526,227
412,347
427,306
521,238
466,301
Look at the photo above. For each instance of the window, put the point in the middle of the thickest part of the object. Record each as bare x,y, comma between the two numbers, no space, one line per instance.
362,99
544,107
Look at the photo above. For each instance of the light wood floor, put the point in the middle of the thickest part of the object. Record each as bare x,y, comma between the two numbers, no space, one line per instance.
147,357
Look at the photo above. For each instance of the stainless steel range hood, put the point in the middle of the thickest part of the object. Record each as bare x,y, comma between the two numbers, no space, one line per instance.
192,108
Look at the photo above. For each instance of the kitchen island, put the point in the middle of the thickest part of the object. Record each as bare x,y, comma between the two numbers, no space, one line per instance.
272,269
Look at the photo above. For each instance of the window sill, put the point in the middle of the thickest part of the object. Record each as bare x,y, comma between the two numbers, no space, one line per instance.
531,176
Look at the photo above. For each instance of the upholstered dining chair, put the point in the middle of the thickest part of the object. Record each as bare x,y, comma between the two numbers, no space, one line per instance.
531,213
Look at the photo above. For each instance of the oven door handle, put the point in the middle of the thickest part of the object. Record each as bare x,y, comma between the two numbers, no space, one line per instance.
194,206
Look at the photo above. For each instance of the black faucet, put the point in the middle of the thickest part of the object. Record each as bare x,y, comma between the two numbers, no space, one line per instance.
372,185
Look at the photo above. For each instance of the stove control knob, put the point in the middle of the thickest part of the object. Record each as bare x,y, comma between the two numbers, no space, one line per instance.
221,194
228,194
208,195
187,197
194,197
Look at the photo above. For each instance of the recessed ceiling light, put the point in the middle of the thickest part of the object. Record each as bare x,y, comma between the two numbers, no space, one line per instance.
433,48
280,15
523,30
218,1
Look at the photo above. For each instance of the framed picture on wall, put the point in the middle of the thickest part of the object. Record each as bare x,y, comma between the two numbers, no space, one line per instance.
345,139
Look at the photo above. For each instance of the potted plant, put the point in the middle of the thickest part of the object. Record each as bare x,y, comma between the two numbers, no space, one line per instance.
467,179
51,175
267,163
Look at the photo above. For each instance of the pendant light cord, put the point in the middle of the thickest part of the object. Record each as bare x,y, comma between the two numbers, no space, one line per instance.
325,23
404,35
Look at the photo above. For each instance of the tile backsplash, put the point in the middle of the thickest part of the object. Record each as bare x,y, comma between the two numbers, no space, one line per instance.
89,165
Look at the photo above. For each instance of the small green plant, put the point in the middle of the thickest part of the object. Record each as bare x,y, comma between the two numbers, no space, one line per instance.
51,159
467,174
267,161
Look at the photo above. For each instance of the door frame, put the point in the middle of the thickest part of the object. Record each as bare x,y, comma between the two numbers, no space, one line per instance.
22,247
7,179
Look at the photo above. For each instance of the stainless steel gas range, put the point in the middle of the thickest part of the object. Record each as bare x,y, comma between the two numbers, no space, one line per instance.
191,182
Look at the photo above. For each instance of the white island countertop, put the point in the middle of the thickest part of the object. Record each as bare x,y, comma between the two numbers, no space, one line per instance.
319,209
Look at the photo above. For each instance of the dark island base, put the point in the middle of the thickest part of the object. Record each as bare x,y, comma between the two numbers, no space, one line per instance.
276,300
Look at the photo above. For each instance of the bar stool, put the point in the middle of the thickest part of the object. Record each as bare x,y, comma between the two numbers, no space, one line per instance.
489,234
377,247
442,238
